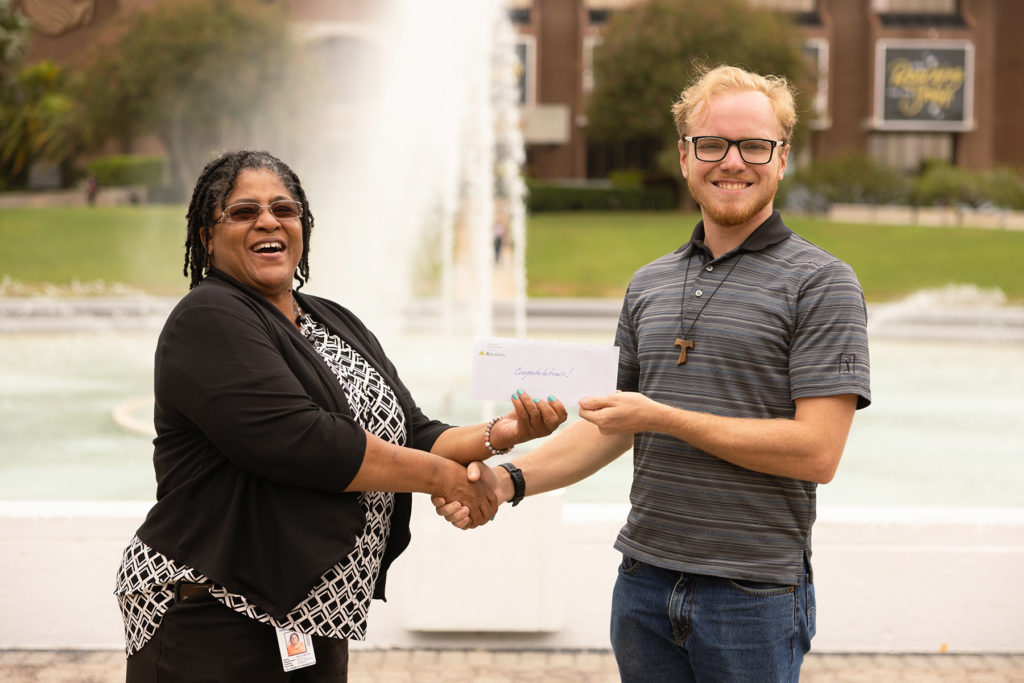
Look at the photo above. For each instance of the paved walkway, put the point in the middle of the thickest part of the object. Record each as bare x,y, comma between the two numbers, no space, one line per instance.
486,666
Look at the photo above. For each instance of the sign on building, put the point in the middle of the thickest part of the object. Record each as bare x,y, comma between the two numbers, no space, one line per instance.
924,85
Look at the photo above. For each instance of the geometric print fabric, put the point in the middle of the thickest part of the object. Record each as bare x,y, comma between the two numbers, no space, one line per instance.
337,605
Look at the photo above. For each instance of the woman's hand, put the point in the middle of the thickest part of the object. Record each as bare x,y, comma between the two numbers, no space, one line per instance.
530,418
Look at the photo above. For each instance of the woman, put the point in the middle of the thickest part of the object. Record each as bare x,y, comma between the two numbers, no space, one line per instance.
283,435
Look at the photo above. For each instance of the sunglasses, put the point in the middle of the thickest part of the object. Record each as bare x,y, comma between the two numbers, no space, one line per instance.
249,212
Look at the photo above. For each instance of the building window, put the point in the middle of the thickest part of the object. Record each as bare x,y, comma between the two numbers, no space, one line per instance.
793,6
907,151
919,14
603,159
519,16
803,12
915,6
815,52
590,43
526,51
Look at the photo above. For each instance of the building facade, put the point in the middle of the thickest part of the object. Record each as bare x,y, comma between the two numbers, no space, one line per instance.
900,80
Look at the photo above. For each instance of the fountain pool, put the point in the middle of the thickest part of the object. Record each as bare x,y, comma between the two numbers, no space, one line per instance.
941,431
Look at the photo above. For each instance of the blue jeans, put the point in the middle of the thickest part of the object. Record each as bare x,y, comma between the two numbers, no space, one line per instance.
673,626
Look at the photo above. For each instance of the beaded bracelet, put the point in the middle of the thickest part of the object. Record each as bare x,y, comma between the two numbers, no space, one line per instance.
487,439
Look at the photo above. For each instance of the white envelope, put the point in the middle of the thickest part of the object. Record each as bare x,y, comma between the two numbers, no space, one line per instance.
542,369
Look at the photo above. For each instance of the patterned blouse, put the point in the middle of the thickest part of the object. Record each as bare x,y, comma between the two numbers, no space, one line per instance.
338,604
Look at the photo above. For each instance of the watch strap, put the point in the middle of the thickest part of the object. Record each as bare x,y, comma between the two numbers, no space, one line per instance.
518,482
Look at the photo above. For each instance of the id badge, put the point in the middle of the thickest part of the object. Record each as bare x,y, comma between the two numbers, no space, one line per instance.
296,649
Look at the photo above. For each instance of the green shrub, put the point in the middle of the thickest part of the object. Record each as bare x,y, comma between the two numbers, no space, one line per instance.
556,197
857,179
1003,187
632,179
942,184
128,169
854,178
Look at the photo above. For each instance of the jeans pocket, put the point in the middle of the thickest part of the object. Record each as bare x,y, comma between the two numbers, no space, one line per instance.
761,587
629,565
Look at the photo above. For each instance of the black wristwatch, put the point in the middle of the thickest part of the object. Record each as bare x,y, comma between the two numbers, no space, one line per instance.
518,483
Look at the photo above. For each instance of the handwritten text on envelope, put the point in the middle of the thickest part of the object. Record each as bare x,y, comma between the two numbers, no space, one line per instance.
542,369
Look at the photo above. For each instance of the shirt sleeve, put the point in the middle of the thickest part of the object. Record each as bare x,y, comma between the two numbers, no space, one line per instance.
829,350
625,338
222,379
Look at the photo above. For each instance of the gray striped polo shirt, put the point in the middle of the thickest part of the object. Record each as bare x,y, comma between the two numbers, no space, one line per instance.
785,320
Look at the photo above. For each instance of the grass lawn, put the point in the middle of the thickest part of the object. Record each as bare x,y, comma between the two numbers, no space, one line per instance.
568,254
142,247
594,254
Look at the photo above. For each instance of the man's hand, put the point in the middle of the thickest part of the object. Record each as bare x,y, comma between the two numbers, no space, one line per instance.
621,412
459,515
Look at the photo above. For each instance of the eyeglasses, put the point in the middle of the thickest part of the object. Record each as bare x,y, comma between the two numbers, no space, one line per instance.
752,150
249,212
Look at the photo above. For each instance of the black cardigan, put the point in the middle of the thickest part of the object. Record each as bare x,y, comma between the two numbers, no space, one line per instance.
256,441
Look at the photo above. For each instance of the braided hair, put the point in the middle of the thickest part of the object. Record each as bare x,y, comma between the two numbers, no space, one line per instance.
210,194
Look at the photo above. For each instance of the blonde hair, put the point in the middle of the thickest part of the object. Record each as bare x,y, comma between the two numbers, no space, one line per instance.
731,79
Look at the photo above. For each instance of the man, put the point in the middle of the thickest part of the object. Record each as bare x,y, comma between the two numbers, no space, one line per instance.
743,356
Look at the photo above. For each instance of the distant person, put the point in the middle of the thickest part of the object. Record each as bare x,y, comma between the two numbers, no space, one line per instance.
500,233
286,447
92,188
743,356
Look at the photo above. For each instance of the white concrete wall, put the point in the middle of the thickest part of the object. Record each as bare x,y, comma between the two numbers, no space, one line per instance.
929,216
540,576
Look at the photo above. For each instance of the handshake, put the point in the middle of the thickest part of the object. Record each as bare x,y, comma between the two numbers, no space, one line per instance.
491,487
470,496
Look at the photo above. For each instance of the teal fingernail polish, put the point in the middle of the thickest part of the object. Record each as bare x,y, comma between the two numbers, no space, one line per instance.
519,392
536,400
552,399
515,396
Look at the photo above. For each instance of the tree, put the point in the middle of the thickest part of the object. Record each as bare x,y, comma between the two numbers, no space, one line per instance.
35,121
197,74
14,42
651,51
35,110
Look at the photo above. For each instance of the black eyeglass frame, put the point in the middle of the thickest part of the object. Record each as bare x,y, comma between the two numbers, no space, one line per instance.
729,143
225,217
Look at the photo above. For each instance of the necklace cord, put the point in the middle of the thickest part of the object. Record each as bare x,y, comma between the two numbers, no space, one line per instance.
686,279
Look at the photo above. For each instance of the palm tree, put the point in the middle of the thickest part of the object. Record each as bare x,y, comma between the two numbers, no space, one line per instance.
35,120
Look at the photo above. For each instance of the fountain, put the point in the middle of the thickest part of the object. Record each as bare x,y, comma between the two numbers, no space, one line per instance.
407,187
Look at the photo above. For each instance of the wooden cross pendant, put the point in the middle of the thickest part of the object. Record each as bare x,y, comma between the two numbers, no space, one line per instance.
683,344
